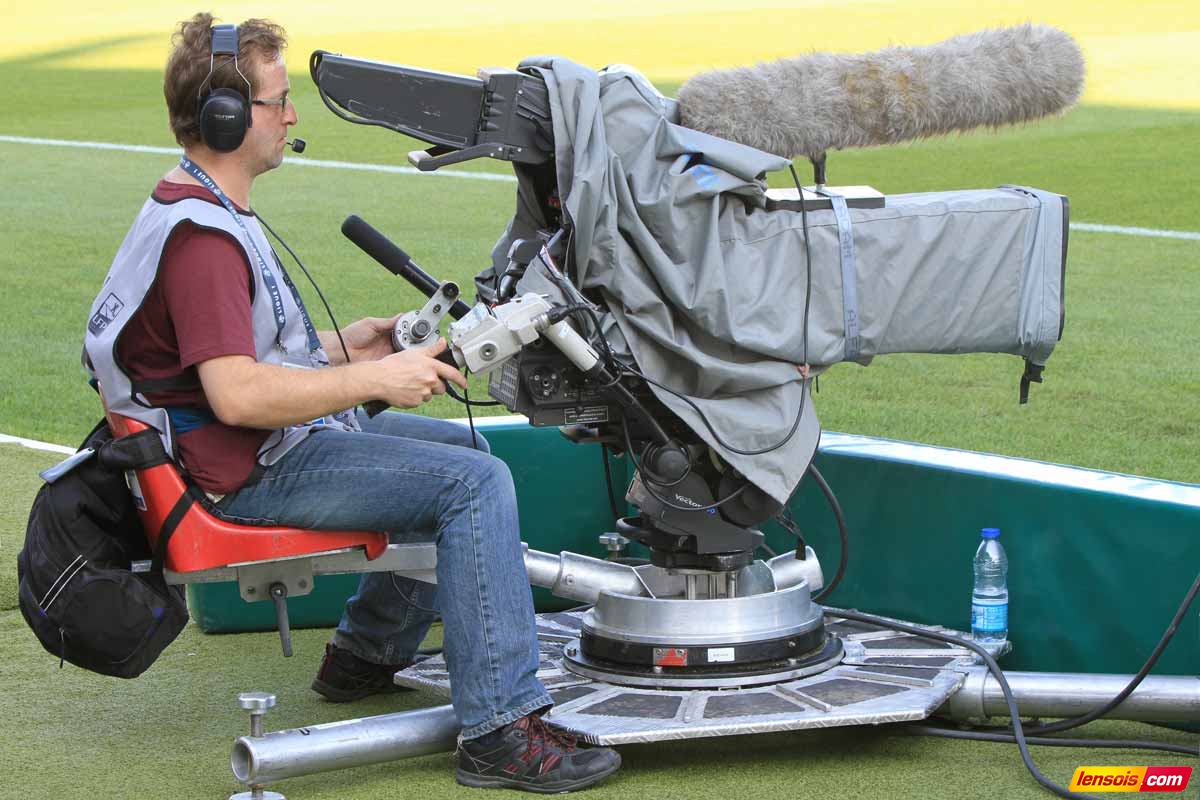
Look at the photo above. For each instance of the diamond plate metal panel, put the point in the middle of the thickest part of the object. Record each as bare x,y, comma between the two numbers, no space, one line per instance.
636,704
884,677
845,691
749,704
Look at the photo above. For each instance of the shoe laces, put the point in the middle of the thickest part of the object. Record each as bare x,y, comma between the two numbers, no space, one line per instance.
540,731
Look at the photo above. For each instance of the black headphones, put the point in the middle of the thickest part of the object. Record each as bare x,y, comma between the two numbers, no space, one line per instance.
224,113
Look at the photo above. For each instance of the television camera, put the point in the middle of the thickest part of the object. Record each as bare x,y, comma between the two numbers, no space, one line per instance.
566,352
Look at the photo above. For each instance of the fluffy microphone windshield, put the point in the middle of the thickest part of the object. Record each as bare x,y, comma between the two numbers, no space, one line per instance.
811,104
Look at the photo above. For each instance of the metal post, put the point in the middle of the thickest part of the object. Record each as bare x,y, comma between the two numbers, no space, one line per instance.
341,745
258,704
1159,698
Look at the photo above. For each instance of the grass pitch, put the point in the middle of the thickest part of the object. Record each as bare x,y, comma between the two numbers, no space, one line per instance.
73,735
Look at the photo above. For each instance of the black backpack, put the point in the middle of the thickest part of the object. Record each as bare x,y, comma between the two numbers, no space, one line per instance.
77,587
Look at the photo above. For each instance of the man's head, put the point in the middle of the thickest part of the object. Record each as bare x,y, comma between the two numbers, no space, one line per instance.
259,61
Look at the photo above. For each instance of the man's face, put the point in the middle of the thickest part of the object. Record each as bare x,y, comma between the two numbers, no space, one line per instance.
262,149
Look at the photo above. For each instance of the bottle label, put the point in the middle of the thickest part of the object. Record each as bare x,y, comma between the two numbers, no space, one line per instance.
989,617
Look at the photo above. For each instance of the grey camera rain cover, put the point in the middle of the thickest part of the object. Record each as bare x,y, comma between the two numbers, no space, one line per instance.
705,288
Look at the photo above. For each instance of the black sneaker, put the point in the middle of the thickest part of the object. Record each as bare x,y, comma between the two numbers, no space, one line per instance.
530,755
344,677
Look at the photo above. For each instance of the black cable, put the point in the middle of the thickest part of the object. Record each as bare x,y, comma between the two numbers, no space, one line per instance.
1101,710
608,481
842,532
804,342
564,284
450,390
312,71
618,367
704,419
569,258
320,294
1018,732
784,518
470,419
466,401
610,360
1048,741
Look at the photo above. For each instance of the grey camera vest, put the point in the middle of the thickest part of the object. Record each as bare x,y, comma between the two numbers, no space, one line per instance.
129,280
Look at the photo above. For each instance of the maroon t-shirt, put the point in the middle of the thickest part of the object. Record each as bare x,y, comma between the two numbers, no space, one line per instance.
197,309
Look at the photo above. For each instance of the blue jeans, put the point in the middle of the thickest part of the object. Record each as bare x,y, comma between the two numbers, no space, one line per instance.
420,479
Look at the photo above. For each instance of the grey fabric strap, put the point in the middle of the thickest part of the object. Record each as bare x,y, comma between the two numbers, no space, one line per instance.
849,270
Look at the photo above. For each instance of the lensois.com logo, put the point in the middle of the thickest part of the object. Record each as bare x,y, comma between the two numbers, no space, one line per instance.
1131,779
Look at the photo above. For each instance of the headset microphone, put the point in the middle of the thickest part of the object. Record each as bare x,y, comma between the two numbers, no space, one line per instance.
297,145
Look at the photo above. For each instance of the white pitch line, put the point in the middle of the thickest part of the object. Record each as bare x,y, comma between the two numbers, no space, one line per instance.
294,160
33,444
1087,226
498,177
480,423
351,165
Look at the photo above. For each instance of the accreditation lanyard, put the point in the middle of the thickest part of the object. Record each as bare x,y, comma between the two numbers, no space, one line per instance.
268,276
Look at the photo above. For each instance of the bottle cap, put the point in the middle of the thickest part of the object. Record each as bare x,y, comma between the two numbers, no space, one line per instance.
991,533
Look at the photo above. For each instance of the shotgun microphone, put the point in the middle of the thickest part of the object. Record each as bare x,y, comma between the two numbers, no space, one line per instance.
808,105
297,144
395,260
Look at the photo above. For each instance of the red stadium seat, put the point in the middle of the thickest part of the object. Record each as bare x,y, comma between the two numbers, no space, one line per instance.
266,560
202,541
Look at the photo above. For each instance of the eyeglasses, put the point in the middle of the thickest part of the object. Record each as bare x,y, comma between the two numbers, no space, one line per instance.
279,101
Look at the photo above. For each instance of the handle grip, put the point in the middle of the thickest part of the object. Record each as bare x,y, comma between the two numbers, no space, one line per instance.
374,407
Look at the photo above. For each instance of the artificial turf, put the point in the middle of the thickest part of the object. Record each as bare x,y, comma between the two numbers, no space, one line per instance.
73,735
70,734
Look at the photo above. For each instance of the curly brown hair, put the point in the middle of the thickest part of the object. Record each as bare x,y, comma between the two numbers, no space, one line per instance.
259,41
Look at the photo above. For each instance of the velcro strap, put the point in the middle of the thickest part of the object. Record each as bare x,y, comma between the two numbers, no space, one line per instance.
140,450
849,269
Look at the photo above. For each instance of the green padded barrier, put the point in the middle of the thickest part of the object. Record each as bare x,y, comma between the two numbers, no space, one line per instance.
1098,562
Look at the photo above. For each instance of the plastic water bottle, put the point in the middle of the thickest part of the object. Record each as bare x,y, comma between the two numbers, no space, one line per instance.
989,598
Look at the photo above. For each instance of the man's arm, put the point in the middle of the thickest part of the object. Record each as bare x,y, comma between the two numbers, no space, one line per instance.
249,394
207,289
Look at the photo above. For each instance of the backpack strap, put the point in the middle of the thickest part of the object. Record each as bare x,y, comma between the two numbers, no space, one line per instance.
173,383
169,526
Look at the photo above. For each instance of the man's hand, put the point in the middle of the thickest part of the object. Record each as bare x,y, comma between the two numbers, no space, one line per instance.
409,378
369,339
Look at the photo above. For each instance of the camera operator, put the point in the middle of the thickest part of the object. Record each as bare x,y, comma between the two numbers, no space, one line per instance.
216,339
